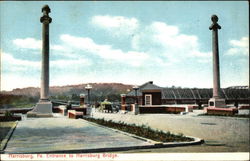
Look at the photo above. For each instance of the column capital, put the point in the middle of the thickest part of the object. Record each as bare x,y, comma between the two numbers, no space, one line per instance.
45,18
214,25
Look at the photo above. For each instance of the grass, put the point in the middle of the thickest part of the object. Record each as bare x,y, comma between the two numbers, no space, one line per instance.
5,128
24,105
143,131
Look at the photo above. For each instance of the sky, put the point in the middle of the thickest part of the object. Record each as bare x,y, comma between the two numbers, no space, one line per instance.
167,42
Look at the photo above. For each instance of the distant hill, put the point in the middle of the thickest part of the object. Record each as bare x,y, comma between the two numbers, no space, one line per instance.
99,91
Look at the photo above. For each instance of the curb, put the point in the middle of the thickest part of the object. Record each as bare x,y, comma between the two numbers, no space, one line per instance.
196,140
125,133
152,144
155,143
7,137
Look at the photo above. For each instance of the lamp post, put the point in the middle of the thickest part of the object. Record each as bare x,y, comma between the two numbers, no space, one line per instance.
136,89
88,88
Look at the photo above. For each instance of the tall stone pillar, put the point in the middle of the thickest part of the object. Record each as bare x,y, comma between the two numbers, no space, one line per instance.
44,106
216,100
45,20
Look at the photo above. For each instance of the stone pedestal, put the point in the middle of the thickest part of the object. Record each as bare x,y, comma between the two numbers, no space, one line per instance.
216,103
123,102
135,109
82,98
88,111
42,109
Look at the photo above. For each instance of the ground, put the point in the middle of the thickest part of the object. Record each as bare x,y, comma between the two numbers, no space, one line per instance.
221,134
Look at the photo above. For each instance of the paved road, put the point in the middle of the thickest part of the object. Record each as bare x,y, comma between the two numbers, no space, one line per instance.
221,134
63,134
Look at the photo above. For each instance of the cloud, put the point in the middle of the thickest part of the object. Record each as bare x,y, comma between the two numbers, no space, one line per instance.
28,43
18,65
63,63
31,43
166,42
8,59
11,81
117,25
239,47
104,51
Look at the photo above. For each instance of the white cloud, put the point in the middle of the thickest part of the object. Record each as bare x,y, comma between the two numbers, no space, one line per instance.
11,81
57,47
31,43
117,25
63,63
8,59
105,51
14,72
19,65
28,43
239,47
166,42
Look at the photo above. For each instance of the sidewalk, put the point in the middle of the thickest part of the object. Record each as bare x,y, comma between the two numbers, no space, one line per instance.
60,134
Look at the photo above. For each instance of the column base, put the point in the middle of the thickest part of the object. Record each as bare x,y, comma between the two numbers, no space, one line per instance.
88,111
42,109
135,109
217,103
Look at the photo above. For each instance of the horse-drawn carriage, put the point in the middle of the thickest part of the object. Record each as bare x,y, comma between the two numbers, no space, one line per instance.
107,106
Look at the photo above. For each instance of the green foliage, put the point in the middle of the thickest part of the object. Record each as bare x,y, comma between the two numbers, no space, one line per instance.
143,130
16,101
8,114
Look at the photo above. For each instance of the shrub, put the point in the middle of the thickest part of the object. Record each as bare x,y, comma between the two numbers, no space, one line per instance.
8,114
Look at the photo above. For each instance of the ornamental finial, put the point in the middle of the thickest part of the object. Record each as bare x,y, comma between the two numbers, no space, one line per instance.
46,9
214,25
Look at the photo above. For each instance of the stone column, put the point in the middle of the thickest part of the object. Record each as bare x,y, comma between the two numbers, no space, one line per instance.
216,64
216,100
45,20
44,106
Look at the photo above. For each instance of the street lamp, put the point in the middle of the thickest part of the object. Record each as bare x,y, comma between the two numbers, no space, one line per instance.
88,88
136,89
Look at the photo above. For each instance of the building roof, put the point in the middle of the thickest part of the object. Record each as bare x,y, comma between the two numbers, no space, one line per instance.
192,93
146,86
150,86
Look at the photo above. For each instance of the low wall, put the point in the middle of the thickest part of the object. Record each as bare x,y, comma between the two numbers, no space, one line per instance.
16,110
80,109
245,107
4,118
161,109
222,111
58,109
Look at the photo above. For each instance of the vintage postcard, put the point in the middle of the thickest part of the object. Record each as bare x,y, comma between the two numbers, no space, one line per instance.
124,80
